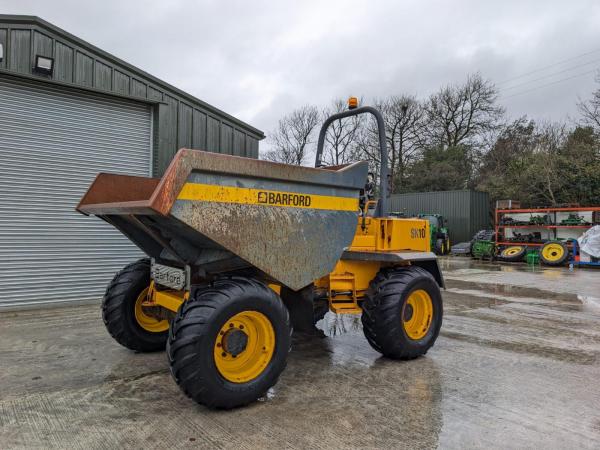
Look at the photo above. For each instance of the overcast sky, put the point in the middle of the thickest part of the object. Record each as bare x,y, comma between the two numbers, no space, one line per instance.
260,59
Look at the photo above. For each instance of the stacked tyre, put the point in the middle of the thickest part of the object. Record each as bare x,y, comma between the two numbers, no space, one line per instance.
513,253
554,253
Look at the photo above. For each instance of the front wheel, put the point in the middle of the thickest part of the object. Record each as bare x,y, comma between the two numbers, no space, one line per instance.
123,312
229,342
402,312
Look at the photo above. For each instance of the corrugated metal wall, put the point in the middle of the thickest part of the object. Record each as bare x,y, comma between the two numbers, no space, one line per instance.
53,143
481,212
466,211
183,121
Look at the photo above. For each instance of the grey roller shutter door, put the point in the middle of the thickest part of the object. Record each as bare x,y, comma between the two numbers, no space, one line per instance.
52,145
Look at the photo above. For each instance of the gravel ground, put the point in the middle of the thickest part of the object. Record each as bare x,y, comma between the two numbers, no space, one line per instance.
516,366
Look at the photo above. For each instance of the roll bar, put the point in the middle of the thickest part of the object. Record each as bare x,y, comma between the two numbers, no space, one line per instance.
382,209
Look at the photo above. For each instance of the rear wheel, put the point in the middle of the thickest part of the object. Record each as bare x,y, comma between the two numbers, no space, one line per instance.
438,249
402,312
442,246
123,314
447,245
554,253
229,342
513,253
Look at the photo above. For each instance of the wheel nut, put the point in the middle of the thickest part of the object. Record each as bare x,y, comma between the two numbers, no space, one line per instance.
223,354
241,327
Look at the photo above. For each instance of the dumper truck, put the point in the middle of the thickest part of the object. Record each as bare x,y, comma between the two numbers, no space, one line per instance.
240,252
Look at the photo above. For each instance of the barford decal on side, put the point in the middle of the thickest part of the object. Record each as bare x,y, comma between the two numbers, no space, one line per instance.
276,198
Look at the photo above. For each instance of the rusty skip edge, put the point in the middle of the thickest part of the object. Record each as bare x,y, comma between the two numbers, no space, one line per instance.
112,194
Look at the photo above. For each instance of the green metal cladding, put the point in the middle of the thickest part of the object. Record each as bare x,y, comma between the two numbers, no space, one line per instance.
466,211
180,120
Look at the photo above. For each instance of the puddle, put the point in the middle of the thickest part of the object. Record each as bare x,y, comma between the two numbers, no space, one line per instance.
341,324
460,265
591,302
571,355
510,292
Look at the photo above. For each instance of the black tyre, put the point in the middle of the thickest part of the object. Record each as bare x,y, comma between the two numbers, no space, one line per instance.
229,342
513,253
320,308
438,249
554,253
446,245
402,312
123,314
305,307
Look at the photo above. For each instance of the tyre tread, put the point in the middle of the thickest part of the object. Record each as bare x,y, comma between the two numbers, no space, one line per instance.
381,325
113,314
192,325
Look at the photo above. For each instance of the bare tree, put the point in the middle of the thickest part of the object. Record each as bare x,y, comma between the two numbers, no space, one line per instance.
403,116
340,140
404,127
290,141
547,161
366,146
459,114
590,109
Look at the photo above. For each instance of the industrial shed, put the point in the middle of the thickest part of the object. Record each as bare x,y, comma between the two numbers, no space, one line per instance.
466,211
69,110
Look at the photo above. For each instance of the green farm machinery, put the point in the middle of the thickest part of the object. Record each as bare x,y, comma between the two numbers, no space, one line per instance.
440,239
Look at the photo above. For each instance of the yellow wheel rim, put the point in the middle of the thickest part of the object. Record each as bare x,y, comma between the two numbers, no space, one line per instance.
145,321
417,314
244,346
553,252
511,251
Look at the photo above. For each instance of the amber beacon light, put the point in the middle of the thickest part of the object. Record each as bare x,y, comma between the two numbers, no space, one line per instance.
352,103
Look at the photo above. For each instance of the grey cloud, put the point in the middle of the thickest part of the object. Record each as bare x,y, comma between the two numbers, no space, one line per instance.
257,60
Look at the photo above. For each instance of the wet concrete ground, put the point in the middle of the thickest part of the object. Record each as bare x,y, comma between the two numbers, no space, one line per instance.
516,366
